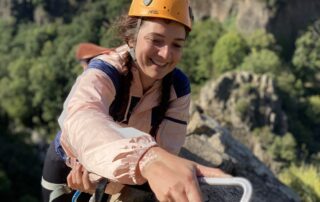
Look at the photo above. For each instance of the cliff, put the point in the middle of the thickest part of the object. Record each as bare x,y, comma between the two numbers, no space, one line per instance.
283,18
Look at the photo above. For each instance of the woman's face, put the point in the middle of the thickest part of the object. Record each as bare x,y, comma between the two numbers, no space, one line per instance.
158,48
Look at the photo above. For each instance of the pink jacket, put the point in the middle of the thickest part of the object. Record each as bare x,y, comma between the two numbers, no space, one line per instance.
112,149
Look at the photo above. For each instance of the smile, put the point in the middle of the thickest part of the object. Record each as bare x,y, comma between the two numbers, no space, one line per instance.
159,63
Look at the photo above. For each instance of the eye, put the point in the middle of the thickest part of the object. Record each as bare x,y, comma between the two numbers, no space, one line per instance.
157,42
177,45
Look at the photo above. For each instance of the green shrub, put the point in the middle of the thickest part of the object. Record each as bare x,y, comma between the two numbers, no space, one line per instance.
280,148
313,110
229,52
264,54
260,40
261,62
5,183
242,106
196,61
306,59
305,180
283,148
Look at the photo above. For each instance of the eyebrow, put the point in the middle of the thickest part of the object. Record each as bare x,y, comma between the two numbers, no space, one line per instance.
160,35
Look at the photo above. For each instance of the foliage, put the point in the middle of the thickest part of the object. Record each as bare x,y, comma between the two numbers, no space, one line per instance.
280,148
289,84
306,59
5,183
260,40
284,148
291,90
38,68
261,62
305,180
242,106
299,88
263,56
20,168
313,110
37,71
230,23
198,50
229,52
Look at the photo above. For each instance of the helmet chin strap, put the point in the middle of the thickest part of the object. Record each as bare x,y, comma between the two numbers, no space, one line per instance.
132,53
132,50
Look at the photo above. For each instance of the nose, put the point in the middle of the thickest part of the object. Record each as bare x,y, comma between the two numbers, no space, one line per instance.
165,52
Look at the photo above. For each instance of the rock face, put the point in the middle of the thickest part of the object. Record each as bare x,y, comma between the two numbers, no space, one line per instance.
244,101
5,8
238,101
284,18
292,17
250,14
211,145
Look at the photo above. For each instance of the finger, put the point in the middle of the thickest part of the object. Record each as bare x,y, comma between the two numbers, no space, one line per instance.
69,180
78,175
86,181
193,192
73,177
178,194
204,171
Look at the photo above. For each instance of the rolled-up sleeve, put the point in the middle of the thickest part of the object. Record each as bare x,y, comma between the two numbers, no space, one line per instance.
90,134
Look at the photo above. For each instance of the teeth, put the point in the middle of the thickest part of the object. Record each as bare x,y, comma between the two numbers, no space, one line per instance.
158,63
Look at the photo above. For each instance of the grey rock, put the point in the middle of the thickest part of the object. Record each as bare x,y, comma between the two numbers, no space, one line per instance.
217,148
285,19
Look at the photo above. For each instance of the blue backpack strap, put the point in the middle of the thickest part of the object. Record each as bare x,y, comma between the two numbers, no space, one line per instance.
108,69
181,83
58,148
112,73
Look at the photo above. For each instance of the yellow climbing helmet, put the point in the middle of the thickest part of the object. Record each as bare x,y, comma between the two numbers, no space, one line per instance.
177,10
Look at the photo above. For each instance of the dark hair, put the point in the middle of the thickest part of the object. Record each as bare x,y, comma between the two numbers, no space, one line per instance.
127,29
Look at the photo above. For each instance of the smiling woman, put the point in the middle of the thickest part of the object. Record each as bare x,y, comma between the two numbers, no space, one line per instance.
129,125
158,49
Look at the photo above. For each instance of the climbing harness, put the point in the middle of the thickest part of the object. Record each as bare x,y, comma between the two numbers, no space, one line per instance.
57,189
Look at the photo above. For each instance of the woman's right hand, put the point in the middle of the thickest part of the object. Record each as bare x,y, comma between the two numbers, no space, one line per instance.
173,178
78,179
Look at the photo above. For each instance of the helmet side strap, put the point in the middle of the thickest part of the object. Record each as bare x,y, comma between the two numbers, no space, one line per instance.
132,49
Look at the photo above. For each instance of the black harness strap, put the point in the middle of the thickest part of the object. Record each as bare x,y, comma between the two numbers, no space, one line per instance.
101,187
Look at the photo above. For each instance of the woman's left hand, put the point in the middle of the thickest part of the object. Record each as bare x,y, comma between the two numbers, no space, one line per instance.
173,178
78,179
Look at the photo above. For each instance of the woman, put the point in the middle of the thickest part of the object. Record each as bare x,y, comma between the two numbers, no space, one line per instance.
128,128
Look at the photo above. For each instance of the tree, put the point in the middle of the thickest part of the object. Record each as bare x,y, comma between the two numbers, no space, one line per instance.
264,54
229,52
306,59
261,62
196,60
